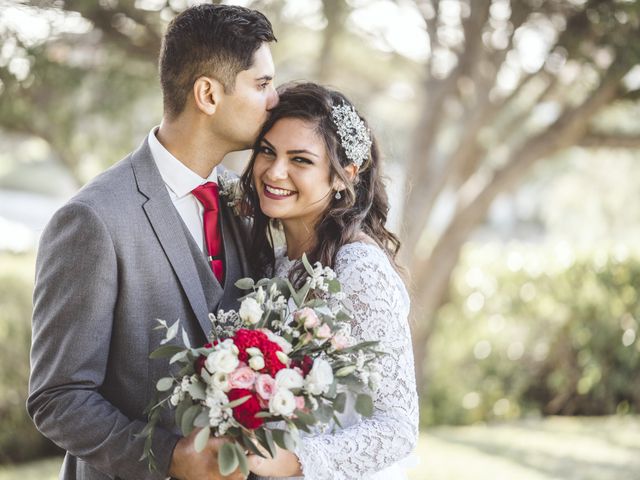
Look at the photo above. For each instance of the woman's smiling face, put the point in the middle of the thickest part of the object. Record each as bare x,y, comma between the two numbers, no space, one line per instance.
291,172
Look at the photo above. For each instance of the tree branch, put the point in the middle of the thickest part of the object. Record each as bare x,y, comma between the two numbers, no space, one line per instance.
603,140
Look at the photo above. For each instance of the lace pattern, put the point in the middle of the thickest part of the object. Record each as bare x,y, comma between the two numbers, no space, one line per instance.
380,305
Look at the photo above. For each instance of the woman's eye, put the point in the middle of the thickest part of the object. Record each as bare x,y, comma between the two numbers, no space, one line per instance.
265,150
302,160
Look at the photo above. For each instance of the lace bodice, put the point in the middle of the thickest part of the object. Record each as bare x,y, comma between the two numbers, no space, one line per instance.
379,302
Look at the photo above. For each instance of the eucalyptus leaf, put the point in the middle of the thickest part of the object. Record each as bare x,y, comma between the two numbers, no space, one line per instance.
278,437
307,265
249,445
340,402
227,459
270,444
165,351
178,356
201,439
202,420
182,407
172,331
185,339
242,459
360,346
302,293
333,389
305,417
197,391
245,283
164,384
236,402
301,425
364,405
337,420
334,286
186,422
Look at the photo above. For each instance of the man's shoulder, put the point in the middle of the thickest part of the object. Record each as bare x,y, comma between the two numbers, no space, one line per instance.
107,187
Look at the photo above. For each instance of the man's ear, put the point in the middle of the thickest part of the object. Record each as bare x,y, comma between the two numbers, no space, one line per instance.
207,93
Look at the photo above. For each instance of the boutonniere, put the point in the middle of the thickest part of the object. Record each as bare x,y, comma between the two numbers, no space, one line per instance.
231,192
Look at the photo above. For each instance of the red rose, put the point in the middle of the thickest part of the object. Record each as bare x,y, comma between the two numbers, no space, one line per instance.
305,364
245,413
245,338
199,363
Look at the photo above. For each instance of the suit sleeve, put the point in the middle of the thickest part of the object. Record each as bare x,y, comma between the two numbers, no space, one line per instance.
75,295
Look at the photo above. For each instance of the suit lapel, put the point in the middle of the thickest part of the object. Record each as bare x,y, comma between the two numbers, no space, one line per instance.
167,225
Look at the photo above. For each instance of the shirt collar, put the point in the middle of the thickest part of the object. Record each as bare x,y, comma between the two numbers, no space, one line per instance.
179,178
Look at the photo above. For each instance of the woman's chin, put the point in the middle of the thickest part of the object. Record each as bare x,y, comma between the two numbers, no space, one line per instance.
272,213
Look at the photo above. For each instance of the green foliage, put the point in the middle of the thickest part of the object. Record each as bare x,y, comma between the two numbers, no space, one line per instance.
19,439
530,332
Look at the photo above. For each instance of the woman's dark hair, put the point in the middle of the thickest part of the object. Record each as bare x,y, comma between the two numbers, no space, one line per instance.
214,40
364,204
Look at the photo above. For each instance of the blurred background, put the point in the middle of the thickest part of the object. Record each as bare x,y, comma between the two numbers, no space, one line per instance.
511,132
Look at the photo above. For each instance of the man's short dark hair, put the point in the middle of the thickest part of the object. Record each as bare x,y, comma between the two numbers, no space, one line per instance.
213,40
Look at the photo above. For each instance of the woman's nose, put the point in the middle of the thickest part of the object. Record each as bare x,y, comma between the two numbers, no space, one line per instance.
277,170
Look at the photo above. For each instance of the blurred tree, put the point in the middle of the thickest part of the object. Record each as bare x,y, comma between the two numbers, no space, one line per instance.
507,84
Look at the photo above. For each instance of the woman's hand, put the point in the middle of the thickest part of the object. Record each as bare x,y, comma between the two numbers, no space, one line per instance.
285,464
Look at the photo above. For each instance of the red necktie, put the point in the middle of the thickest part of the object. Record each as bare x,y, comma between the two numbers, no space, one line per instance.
207,194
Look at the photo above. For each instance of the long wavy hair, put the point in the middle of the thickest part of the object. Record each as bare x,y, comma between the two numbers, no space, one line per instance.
364,204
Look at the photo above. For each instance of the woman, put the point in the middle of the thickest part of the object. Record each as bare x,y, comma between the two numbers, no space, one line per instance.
316,171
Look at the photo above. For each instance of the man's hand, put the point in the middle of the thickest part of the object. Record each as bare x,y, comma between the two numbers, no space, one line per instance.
187,464
285,464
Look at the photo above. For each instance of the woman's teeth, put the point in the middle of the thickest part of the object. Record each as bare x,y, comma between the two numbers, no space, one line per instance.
278,191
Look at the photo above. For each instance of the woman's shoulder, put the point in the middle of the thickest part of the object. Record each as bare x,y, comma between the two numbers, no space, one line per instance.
364,258
368,277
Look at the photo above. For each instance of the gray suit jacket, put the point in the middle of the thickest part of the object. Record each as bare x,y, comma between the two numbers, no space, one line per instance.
115,258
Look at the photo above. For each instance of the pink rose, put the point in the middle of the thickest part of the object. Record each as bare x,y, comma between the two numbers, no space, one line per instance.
299,402
340,341
309,316
243,377
265,386
324,331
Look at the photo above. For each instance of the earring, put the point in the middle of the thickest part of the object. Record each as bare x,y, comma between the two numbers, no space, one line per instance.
338,195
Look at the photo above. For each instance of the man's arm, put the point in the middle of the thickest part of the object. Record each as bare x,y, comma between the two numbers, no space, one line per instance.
75,295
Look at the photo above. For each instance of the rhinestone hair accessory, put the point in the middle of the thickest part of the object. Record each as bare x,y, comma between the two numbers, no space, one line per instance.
354,135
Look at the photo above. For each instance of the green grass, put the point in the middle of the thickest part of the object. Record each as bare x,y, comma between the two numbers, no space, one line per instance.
559,448
40,470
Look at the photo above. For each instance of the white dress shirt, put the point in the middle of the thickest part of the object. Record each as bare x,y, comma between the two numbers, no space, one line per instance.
180,181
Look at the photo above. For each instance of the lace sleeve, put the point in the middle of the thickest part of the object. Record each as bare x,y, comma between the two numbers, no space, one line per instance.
380,306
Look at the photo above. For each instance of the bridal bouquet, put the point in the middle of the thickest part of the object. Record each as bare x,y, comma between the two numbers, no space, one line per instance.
284,362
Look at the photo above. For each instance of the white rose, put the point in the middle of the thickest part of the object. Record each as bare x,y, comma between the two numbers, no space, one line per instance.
282,403
250,311
222,360
257,362
220,381
289,379
319,378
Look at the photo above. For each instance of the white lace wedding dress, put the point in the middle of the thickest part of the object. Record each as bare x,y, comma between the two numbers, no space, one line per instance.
376,447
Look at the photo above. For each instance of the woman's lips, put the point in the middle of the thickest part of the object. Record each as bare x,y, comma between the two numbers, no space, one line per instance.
277,193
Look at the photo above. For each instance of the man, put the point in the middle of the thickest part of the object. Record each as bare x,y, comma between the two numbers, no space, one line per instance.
132,247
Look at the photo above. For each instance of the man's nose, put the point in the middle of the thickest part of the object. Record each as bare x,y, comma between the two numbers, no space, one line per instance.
274,98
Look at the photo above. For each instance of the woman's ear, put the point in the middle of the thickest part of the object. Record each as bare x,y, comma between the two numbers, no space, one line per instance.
352,173
207,93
